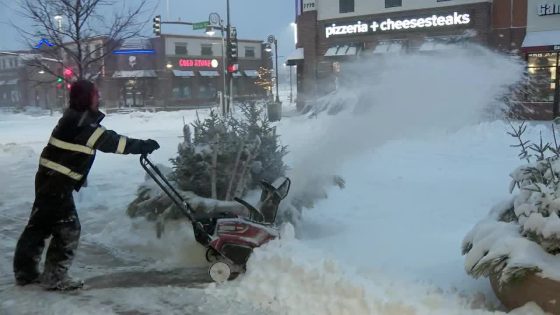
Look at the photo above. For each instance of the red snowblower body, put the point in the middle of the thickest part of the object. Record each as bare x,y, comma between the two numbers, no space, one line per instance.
229,238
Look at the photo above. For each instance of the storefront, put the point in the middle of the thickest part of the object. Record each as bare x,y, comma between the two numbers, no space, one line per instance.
343,39
422,30
542,52
328,38
178,71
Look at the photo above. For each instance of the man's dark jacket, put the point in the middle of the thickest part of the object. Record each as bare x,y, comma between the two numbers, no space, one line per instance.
66,160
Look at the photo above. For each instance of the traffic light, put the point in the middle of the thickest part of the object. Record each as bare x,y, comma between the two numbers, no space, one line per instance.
157,25
232,51
232,47
68,73
59,80
233,67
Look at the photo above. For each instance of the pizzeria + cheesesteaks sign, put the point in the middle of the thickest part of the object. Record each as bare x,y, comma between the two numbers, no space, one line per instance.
387,25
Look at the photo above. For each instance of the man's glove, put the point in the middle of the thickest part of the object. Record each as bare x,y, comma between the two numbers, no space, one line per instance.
149,146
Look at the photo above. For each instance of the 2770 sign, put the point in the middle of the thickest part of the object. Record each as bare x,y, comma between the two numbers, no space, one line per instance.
309,5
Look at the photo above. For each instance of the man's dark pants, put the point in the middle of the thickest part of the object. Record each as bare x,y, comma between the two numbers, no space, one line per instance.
53,214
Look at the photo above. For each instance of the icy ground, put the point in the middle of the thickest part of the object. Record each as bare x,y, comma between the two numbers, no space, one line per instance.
388,244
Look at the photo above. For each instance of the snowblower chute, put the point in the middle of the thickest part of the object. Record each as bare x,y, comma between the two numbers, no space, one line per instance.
229,238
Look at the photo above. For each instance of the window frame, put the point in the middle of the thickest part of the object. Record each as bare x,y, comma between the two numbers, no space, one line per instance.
206,46
388,4
346,6
181,45
253,50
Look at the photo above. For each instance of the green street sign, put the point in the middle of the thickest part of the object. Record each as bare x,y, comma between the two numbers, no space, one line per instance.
200,25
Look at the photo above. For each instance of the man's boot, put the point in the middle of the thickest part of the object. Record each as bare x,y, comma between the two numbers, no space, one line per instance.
65,284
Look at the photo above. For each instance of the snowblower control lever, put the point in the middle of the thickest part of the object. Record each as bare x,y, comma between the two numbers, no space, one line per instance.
167,188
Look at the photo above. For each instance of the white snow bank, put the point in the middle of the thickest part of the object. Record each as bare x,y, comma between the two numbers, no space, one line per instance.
288,277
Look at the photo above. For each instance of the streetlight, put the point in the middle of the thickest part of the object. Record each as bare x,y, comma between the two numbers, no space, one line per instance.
216,22
210,31
272,40
58,19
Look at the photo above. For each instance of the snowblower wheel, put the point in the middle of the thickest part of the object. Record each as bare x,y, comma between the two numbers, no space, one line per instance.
219,272
212,255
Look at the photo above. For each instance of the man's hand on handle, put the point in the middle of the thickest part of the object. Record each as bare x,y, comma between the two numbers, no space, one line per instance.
149,146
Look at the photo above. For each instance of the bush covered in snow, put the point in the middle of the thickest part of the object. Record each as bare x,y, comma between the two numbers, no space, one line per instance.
522,234
225,157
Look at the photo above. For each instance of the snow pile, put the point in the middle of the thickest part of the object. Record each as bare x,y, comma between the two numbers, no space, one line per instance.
280,280
522,234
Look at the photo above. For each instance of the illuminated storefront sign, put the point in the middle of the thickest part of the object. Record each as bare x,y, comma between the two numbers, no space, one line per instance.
369,27
199,63
548,9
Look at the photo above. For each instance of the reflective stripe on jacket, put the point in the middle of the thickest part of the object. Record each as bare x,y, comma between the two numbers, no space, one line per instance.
70,152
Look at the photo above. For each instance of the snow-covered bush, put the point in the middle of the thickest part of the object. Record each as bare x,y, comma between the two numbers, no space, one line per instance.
522,235
223,158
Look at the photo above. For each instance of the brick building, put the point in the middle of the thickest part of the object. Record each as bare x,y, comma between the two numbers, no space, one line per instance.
178,71
172,71
331,32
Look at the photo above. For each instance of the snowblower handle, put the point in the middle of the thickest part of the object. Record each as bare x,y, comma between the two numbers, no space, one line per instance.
167,188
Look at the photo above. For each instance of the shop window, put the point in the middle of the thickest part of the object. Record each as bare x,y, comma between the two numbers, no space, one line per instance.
181,91
187,91
346,6
249,52
393,3
542,76
207,91
206,50
180,49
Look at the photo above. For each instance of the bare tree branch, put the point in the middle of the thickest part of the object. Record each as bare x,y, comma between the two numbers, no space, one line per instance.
85,25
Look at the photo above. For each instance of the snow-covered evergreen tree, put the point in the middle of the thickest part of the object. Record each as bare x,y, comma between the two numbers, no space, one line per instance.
230,155
223,158
522,234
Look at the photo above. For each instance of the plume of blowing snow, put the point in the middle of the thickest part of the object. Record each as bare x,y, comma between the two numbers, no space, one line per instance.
401,96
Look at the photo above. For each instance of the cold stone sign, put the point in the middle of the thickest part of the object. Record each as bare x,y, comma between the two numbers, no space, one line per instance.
387,25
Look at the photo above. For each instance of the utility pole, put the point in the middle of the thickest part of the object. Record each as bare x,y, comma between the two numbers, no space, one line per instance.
556,102
276,55
228,74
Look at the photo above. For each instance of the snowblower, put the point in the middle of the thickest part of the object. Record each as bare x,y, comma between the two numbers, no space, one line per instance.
229,239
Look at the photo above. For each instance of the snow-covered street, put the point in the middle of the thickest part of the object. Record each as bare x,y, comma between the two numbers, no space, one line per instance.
388,243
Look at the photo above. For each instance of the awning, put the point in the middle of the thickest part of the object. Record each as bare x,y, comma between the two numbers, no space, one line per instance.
389,47
252,73
183,73
542,39
135,74
295,57
9,82
209,73
343,50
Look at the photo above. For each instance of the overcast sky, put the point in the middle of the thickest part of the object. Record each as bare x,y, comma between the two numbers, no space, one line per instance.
254,19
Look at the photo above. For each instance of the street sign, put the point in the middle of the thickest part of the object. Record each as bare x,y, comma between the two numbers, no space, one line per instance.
200,25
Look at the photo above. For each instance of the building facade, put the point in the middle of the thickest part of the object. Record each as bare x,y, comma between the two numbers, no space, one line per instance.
179,71
541,48
331,32
171,71
22,84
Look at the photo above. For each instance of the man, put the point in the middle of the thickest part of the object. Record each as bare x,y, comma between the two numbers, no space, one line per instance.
63,167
